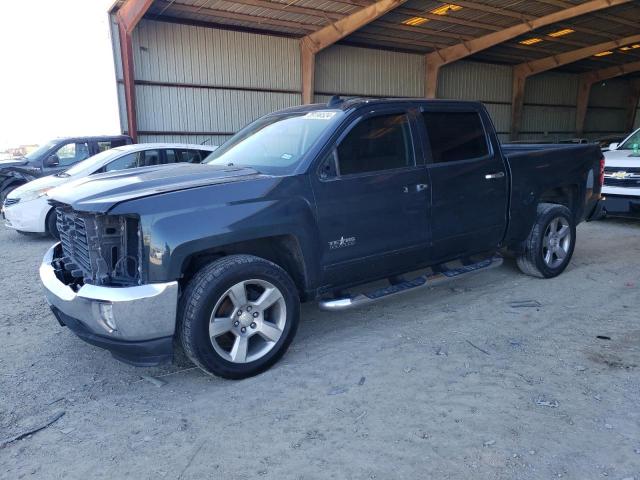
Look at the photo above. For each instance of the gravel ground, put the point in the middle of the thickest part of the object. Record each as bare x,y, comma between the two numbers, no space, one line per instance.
452,382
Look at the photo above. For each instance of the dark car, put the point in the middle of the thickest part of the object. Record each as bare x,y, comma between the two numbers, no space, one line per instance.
53,157
305,204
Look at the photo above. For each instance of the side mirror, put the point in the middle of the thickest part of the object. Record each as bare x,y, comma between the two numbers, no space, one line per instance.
613,146
52,161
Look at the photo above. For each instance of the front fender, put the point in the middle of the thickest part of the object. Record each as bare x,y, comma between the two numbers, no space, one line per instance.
177,225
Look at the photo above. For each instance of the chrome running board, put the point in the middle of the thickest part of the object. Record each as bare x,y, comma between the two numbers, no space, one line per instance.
436,275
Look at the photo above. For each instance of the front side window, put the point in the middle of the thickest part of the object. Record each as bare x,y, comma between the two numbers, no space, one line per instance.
377,143
275,144
455,136
72,153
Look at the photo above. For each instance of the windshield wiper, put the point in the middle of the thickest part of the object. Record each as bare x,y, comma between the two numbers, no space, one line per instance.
62,174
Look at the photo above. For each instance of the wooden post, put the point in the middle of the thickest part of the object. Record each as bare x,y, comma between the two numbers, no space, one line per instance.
444,56
582,102
517,101
316,41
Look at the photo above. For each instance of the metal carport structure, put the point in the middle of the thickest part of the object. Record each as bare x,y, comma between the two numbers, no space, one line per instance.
196,70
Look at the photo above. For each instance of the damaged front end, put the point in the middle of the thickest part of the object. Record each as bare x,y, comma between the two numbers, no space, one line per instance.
98,249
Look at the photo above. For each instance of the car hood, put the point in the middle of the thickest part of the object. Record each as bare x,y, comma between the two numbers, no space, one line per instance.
100,193
14,162
621,158
42,183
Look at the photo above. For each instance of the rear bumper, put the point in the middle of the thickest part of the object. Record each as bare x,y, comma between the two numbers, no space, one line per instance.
625,205
144,316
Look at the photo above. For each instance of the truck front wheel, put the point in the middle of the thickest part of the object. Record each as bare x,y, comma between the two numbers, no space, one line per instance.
238,316
549,246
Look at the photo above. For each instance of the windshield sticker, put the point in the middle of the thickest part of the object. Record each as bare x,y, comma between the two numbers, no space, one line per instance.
320,115
286,156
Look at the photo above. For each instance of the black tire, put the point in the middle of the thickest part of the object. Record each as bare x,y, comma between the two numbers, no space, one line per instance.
207,288
51,224
532,260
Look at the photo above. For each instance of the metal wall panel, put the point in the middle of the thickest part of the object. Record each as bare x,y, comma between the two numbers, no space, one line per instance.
195,139
122,107
169,52
475,81
548,119
552,88
196,83
178,109
363,71
610,93
605,120
115,46
117,62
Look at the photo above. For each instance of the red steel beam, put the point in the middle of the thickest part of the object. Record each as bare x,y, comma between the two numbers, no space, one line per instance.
128,16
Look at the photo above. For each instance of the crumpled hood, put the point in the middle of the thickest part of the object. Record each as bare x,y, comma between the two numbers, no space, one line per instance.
101,192
14,162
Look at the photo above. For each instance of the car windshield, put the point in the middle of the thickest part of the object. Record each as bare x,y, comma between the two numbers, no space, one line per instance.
274,144
87,166
40,150
632,143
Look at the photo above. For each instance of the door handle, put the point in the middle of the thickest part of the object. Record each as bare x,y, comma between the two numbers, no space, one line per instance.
419,187
491,176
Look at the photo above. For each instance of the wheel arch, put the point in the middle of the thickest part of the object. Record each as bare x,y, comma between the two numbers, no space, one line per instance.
283,250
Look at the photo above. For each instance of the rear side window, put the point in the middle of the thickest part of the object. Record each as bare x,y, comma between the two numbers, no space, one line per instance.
455,136
375,144
107,144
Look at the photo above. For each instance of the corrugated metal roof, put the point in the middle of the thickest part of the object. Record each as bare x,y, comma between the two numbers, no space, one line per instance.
473,19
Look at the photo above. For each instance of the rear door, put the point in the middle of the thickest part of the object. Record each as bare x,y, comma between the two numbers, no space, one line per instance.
371,196
468,179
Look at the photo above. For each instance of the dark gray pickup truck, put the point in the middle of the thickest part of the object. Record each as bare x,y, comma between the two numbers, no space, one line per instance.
308,203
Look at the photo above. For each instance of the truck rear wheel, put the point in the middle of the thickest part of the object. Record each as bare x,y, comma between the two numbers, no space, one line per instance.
238,316
549,246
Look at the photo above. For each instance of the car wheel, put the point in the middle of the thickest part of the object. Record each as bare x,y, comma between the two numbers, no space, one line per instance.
238,316
51,224
549,246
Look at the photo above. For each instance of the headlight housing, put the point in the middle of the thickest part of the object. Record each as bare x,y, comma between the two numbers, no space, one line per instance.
33,194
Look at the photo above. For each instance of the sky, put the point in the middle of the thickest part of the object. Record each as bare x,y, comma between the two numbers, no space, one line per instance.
56,70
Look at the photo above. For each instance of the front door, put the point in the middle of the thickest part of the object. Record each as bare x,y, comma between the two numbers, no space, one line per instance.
469,182
372,202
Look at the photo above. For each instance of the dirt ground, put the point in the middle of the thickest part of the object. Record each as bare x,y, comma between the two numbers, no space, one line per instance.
455,382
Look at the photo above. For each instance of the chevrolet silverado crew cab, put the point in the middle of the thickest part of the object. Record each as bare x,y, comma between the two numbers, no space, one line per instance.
308,203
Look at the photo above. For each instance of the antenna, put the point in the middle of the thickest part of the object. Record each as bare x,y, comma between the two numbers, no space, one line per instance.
334,101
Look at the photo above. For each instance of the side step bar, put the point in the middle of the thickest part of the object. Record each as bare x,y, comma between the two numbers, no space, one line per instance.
437,274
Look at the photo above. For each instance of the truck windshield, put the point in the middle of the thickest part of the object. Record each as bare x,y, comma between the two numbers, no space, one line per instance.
40,150
275,144
632,143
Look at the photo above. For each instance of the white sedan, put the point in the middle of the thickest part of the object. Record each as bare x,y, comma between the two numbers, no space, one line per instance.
27,210
622,177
